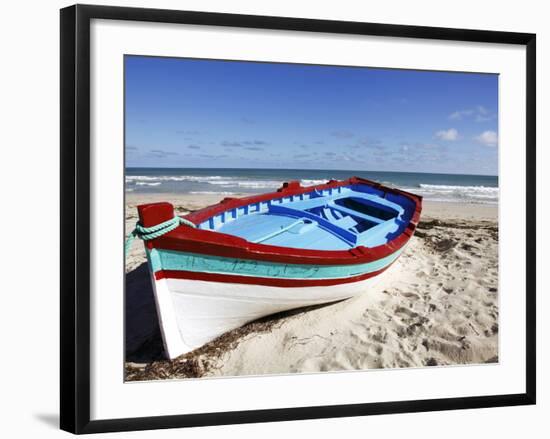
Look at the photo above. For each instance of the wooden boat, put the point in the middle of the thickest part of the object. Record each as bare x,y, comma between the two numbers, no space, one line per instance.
245,258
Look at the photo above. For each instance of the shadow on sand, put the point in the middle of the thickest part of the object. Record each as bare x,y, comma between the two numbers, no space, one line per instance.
142,332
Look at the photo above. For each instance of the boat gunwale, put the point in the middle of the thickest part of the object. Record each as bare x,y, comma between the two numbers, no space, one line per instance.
220,244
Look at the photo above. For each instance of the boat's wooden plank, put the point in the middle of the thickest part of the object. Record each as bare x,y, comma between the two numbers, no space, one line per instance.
347,193
378,234
274,233
174,261
317,238
256,227
253,227
356,213
346,222
295,213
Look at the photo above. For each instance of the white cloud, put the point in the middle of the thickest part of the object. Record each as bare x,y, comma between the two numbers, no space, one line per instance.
458,115
450,134
455,116
482,110
488,138
480,113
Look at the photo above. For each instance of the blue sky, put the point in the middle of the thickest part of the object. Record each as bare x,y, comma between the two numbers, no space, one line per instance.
201,113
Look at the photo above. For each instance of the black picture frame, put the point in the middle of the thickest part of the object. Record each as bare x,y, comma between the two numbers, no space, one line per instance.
75,217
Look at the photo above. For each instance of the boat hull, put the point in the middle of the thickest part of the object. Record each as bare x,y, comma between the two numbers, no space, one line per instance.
195,312
208,282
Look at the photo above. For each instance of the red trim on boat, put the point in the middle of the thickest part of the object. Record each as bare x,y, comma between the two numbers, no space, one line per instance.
208,242
265,281
155,213
218,244
288,189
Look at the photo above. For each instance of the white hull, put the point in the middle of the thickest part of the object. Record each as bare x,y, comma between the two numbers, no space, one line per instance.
192,313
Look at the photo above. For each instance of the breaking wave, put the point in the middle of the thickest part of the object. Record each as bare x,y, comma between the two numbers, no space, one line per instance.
228,184
308,182
214,180
472,194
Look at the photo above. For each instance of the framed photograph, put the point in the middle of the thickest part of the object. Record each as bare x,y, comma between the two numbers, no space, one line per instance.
274,218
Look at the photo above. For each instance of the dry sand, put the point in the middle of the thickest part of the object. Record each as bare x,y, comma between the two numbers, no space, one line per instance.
437,305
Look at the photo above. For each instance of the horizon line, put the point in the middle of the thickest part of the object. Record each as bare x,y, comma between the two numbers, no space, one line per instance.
311,169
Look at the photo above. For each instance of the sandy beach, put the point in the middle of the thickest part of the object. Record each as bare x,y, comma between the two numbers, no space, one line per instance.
437,305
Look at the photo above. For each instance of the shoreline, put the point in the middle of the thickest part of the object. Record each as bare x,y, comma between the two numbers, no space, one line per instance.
437,306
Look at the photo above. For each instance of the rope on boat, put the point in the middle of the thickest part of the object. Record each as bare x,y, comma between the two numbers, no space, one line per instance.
148,233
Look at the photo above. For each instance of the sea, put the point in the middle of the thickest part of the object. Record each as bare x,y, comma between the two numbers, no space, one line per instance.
480,189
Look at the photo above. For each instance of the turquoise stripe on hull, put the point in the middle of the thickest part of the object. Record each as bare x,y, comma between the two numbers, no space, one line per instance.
172,260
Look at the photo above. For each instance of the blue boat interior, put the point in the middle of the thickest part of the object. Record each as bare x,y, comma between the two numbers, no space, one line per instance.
337,218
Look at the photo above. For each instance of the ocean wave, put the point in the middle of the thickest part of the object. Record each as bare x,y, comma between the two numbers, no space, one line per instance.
216,180
145,183
310,182
473,194
226,185
211,193
260,184
197,178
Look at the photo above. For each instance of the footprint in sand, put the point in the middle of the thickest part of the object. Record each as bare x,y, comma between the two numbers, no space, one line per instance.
381,336
406,311
444,244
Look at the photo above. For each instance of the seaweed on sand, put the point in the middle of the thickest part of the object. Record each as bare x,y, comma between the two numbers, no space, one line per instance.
199,362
